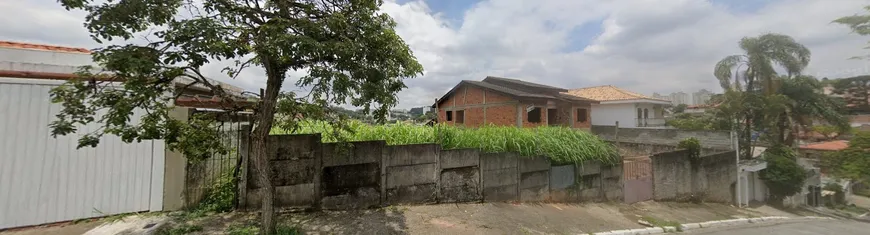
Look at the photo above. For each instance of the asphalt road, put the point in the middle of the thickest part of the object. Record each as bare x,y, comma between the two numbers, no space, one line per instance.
837,227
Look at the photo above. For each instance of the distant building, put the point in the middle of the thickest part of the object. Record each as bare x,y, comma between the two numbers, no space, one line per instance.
661,97
678,98
701,97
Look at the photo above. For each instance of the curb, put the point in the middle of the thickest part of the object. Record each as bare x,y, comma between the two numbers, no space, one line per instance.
708,224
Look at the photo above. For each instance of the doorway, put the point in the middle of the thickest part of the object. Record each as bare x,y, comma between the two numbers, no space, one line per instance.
552,117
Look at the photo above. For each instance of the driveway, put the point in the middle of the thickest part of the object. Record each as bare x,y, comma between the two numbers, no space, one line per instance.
839,227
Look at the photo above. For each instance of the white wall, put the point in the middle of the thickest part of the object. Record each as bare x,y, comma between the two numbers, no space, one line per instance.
608,114
29,56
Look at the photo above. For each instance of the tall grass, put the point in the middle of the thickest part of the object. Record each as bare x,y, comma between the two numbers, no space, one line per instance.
560,144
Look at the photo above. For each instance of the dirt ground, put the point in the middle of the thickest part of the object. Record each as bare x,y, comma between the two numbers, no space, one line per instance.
481,218
492,218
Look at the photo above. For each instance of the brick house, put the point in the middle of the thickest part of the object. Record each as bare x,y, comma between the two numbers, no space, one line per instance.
511,102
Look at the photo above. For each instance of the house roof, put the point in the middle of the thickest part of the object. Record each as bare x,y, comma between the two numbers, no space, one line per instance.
835,145
511,81
507,85
43,47
608,93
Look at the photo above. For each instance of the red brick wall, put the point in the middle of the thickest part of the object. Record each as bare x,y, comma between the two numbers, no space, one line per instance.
474,95
473,117
505,115
495,97
588,122
526,122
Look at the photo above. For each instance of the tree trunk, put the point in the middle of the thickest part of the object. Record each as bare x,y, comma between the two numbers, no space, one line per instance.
260,145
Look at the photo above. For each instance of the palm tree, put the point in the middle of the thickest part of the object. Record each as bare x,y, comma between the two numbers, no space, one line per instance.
757,65
753,75
799,102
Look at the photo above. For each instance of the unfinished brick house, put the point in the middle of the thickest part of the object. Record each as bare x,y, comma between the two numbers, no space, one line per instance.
511,102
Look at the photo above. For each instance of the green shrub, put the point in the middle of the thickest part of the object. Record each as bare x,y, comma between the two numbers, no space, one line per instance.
693,145
783,175
560,144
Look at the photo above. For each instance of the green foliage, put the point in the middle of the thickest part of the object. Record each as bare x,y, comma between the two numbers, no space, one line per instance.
180,230
860,24
703,122
693,145
219,197
252,230
349,48
852,162
828,131
680,108
560,144
663,223
783,175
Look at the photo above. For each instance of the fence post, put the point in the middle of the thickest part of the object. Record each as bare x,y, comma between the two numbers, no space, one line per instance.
244,153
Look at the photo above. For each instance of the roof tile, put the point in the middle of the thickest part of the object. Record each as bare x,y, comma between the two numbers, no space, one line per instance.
608,93
835,145
21,45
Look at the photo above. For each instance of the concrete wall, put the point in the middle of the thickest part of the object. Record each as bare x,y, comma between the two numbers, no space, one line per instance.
708,139
534,182
500,177
679,178
412,173
32,56
307,173
460,175
632,149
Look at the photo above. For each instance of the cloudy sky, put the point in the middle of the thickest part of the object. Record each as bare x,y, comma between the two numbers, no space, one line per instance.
642,45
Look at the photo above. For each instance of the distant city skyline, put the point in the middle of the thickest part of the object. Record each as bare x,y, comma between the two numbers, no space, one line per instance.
676,98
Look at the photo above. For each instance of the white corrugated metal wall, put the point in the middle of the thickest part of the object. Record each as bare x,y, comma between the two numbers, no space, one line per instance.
46,180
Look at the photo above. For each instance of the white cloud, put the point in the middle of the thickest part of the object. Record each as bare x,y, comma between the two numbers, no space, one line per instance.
645,45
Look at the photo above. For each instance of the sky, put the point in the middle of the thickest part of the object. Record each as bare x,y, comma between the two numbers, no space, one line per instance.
644,46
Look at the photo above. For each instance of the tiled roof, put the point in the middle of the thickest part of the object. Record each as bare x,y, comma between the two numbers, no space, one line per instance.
506,86
827,146
21,45
608,93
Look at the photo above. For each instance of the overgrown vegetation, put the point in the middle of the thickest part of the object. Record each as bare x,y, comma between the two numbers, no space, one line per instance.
219,197
692,145
783,175
853,162
251,230
560,144
663,223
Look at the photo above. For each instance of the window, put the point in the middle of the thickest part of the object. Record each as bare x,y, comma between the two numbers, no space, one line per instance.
534,116
449,116
581,115
460,116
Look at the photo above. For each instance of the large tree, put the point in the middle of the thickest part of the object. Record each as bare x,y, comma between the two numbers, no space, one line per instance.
860,24
752,76
349,49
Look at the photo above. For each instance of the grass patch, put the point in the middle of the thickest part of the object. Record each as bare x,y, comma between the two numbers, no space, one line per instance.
663,223
181,230
560,144
252,230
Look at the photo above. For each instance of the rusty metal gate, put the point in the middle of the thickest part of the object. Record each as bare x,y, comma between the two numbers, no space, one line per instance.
638,184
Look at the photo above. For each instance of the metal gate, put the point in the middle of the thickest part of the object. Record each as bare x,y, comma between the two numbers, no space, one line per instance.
638,184
45,179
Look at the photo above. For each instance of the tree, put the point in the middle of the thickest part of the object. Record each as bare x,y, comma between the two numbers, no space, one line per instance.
853,162
798,103
859,24
753,75
680,108
828,131
349,49
783,175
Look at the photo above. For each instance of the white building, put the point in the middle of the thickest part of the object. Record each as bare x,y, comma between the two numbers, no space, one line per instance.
701,97
628,108
661,97
678,98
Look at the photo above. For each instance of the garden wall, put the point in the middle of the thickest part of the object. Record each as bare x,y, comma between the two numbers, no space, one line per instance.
708,139
676,177
307,173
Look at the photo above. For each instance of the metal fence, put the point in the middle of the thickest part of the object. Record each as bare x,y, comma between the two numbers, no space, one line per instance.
219,170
